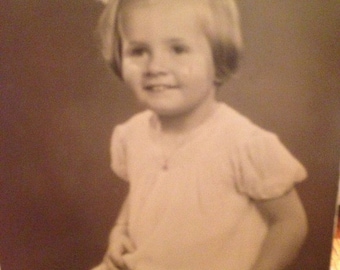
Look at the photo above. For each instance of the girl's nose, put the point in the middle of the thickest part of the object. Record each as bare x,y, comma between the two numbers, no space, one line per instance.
156,64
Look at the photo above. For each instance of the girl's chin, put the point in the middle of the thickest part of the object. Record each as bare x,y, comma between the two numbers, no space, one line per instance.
170,112
166,112
164,108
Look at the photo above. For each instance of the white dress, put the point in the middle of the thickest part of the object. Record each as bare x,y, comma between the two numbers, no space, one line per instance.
197,213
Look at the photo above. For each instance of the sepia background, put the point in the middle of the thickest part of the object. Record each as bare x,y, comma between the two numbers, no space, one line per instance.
59,103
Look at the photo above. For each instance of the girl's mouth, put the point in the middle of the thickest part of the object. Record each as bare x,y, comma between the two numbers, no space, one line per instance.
159,87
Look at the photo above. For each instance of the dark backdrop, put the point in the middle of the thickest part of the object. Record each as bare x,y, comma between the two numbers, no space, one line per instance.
59,103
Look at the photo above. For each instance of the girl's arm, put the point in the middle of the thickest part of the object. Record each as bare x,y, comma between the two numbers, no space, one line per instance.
288,227
122,219
119,240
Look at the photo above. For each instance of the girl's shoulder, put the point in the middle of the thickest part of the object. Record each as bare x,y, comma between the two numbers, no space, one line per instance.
239,127
264,167
138,121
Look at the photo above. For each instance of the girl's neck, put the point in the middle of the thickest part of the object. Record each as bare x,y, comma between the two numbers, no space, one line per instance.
187,121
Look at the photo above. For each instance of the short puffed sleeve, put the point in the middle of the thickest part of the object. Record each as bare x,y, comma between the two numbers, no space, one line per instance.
118,152
265,169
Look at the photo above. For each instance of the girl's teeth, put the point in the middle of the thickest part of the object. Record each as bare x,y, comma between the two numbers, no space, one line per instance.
158,88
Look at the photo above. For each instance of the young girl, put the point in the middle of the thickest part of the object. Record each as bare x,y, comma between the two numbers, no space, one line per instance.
208,188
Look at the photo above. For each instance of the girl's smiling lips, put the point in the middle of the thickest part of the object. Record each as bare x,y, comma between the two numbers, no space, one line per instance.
159,87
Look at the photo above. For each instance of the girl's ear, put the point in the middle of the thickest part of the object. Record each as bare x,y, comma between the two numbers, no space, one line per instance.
218,82
103,1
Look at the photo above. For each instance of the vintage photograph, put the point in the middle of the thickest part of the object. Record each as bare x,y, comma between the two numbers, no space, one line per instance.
169,134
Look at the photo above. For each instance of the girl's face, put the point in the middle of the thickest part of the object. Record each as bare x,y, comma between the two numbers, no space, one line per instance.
166,58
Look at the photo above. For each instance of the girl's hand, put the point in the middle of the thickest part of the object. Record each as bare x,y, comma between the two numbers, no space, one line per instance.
105,266
288,227
120,244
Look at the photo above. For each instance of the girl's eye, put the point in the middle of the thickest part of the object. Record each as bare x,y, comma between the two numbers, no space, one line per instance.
180,49
138,51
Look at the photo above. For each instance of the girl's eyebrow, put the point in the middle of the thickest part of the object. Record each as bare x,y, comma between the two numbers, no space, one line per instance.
136,43
145,43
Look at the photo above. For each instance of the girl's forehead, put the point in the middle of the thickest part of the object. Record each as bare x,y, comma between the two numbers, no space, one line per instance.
162,3
160,10
164,8
160,22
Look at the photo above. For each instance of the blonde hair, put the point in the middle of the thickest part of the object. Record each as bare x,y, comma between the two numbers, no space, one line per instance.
221,26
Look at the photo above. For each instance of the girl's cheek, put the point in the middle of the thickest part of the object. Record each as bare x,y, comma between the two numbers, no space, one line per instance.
186,68
190,71
192,67
131,70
